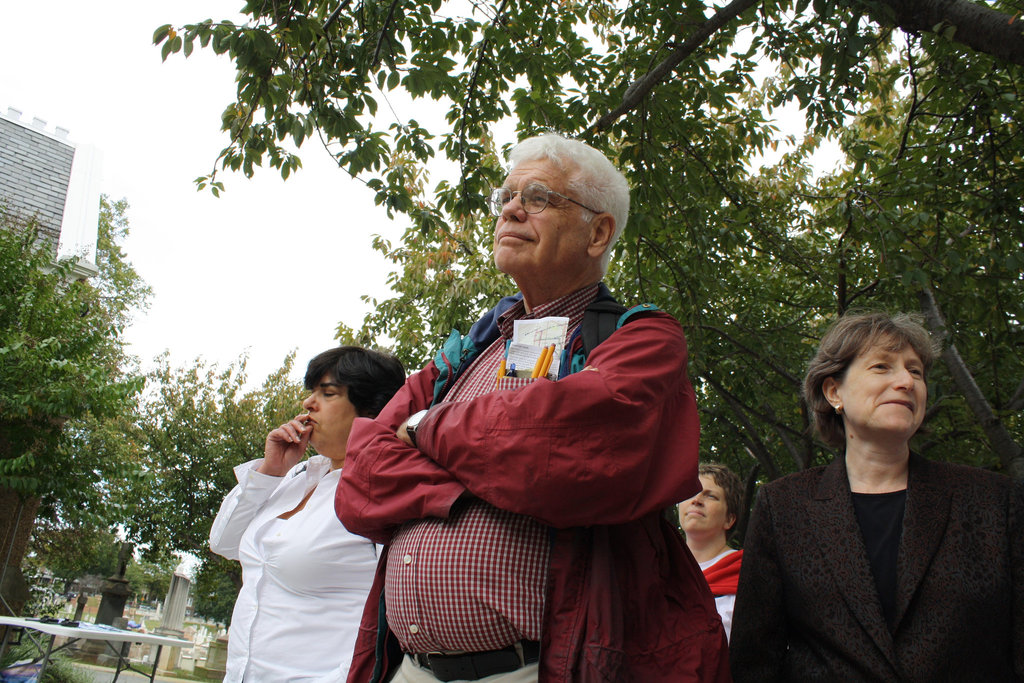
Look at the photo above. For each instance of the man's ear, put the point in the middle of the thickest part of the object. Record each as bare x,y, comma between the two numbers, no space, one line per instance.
602,227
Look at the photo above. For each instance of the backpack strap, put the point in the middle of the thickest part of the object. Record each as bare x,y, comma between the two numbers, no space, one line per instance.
449,360
600,320
602,317
636,310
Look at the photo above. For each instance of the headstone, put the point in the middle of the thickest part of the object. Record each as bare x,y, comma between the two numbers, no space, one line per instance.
216,664
174,619
115,595
80,604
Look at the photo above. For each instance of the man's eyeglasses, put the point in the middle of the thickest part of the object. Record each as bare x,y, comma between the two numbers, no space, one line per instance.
535,198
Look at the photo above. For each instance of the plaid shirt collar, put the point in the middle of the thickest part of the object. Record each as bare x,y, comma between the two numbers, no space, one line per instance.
569,306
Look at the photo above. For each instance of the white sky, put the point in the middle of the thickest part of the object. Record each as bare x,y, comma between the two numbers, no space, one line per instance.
271,265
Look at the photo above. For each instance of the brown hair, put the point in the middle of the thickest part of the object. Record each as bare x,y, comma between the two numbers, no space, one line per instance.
731,486
849,337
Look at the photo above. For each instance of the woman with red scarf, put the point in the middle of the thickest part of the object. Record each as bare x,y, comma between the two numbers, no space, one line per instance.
707,520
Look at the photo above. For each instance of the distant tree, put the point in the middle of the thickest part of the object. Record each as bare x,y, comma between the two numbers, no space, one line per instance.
62,369
70,553
151,580
216,587
196,424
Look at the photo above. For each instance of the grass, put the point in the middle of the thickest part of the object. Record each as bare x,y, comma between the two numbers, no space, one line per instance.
60,668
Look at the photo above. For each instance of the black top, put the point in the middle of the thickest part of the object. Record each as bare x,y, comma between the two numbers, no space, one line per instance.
880,516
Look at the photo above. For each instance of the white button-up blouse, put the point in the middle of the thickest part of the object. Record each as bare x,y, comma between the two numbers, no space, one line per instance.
304,579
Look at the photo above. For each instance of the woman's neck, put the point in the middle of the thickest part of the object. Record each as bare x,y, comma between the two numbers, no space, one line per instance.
706,549
337,459
876,470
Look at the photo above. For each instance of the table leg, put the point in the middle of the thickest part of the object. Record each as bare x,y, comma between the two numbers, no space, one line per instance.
7,637
122,660
46,657
156,662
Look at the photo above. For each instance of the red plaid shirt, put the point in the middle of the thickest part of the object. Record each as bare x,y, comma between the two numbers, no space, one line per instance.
474,581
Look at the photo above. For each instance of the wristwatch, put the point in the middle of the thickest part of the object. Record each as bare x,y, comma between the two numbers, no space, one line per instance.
412,423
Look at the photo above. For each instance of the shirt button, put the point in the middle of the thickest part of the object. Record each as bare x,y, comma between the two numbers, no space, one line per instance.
407,559
414,629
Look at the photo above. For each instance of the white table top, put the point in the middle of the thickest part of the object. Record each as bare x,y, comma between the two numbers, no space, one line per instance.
96,632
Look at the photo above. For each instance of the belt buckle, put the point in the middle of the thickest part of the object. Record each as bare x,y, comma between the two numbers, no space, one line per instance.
518,647
450,666
422,659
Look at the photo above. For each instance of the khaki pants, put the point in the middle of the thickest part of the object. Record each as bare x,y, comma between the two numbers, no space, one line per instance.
411,672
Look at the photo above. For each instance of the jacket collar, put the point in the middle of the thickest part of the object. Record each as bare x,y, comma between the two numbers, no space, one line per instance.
924,524
846,557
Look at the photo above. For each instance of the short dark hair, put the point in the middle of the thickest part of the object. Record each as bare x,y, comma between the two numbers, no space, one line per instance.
731,486
847,338
370,377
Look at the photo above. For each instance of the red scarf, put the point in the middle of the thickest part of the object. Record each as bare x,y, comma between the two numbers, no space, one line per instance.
724,575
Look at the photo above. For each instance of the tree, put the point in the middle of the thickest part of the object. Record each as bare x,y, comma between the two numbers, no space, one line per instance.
920,212
63,368
195,425
150,581
71,553
216,589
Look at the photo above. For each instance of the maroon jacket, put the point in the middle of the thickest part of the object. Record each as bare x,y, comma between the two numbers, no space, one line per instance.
596,456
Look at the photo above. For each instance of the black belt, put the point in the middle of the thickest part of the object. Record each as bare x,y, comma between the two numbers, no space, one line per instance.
473,666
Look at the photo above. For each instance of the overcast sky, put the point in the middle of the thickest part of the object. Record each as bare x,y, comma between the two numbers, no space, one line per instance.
269,266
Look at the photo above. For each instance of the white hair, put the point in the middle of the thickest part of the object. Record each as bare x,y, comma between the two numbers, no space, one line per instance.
590,177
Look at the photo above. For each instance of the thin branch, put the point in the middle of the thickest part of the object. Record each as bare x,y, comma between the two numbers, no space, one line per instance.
383,33
1009,452
636,92
471,96
793,379
335,14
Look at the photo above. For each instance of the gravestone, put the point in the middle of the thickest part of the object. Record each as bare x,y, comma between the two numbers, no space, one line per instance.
115,595
173,623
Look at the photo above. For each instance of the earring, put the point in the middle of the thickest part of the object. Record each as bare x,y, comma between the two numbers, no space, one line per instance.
839,410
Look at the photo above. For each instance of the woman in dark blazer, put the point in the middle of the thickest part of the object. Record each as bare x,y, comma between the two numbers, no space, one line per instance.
882,566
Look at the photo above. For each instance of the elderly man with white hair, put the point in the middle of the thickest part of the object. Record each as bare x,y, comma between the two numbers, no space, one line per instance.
522,512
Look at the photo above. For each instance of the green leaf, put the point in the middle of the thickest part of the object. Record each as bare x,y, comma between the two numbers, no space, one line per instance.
161,33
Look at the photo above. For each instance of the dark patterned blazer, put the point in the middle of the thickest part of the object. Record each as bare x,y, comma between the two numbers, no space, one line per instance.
807,608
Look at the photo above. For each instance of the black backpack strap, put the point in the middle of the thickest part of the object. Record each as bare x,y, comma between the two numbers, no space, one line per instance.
599,321
604,317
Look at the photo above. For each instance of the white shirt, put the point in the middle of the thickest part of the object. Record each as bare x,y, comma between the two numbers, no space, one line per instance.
723,603
304,579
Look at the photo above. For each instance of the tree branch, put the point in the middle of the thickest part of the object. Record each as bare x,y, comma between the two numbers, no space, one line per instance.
334,15
383,33
1008,451
757,447
637,90
1017,402
781,371
973,25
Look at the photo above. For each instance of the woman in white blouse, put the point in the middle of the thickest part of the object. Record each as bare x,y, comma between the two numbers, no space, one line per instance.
304,576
